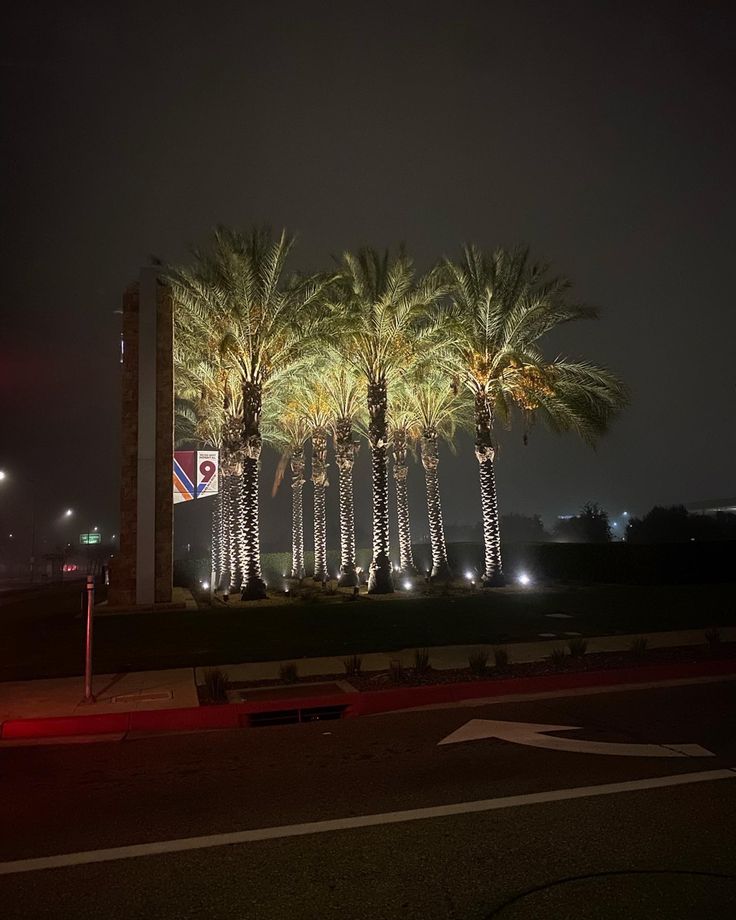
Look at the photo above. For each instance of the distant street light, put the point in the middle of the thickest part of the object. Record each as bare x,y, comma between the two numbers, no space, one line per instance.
32,484
68,512
2,475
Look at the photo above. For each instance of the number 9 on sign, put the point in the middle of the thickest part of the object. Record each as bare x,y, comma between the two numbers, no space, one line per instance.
207,473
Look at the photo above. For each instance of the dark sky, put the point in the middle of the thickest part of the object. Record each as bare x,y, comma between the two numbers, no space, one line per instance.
601,134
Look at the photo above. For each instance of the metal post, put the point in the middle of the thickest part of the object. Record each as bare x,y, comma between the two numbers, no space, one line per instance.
88,695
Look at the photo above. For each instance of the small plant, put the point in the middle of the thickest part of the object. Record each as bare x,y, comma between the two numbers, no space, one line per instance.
421,660
309,595
288,672
713,636
500,657
558,658
577,646
638,646
396,671
352,665
216,682
478,662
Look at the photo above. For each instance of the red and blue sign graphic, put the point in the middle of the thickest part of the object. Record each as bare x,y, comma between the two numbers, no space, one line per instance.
195,474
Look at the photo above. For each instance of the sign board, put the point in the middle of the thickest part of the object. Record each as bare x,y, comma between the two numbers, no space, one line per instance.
87,538
195,474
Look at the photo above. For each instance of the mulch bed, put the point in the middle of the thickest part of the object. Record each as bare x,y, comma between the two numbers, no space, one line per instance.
593,661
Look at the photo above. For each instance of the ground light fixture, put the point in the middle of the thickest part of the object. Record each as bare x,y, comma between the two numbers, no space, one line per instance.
407,585
469,576
524,578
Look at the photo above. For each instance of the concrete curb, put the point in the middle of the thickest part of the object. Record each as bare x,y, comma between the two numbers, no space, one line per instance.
240,715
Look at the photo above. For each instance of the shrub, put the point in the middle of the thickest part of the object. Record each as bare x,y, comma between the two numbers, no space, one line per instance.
638,646
396,671
288,672
578,646
310,594
421,660
478,662
713,636
500,657
558,657
352,665
216,682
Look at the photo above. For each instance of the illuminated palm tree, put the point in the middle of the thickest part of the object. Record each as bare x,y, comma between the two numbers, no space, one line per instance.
288,432
235,300
345,395
438,410
317,418
208,413
503,304
403,430
381,314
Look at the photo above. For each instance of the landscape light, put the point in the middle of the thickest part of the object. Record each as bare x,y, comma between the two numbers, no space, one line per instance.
3,474
10,536
407,585
206,585
469,576
524,579
68,512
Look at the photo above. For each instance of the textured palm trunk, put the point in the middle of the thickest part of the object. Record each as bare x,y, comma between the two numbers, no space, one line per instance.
430,461
226,535
253,585
297,514
216,548
485,454
379,579
345,449
319,478
401,472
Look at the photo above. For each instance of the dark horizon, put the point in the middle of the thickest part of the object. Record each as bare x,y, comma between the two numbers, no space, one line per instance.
602,140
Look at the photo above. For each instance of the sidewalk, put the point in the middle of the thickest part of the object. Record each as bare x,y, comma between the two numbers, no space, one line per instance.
177,688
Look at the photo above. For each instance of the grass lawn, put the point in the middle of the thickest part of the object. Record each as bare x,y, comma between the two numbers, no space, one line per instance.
46,646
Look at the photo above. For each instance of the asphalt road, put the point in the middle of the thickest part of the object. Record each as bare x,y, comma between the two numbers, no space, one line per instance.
665,852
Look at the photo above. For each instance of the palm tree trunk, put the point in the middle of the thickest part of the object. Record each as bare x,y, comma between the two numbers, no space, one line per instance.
226,535
297,514
379,580
319,478
401,472
216,547
430,462
345,449
238,525
485,454
253,585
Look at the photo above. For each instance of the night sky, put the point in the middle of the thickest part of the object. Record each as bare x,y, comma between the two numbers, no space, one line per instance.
601,134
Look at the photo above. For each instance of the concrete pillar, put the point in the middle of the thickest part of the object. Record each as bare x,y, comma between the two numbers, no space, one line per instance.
142,570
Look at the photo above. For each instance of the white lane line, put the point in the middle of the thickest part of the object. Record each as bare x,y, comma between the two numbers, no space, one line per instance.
340,824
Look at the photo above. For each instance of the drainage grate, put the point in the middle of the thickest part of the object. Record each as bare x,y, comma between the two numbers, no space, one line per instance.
293,716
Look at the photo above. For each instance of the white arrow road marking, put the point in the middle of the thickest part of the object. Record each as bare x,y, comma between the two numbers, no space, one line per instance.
535,734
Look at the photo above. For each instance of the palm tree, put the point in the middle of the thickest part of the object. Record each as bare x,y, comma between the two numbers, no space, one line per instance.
208,412
438,410
288,433
235,300
316,415
380,314
344,395
503,305
403,430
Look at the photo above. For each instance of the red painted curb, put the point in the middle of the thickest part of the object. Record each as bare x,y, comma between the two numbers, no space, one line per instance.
234,715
